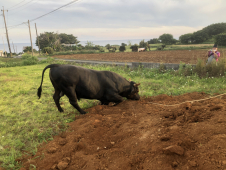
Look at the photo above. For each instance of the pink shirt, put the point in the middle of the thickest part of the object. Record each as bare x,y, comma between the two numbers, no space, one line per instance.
211,53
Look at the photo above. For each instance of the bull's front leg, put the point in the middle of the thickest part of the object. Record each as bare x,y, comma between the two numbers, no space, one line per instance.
114,97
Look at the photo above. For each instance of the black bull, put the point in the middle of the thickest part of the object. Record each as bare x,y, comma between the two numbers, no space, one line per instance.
78,82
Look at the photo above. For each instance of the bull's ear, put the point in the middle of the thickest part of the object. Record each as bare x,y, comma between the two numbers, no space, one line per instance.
129,79
135,85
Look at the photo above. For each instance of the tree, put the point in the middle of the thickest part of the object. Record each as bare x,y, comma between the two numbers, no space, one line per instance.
129,43
154,41
186,38
54,40
143,44
89,45
167,39
108,46
134,47
68,39
48,39
27,49
122,48
215,29
123,44
220,39
96,47
199,37
48,50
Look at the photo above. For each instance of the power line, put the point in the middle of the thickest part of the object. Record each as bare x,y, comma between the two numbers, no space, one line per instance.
14,26
54,10
23,8
23,5
16,4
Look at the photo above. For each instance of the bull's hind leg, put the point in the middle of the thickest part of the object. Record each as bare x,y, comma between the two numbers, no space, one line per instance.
56,98
70,93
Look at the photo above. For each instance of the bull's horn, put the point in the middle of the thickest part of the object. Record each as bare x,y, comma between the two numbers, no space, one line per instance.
129,79
135,85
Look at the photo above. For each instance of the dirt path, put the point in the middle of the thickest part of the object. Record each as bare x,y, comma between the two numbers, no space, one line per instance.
174,56
136,135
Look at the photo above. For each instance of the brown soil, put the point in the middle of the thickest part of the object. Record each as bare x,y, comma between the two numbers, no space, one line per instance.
174,56
138,135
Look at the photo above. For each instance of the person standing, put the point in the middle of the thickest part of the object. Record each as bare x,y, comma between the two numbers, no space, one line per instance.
213,54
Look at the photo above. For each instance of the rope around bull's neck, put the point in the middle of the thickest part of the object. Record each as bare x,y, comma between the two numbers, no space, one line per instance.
187,101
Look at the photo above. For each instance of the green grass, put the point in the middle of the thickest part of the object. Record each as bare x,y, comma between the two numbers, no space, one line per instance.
26,121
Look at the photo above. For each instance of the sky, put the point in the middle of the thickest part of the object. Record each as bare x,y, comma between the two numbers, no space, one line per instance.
95,20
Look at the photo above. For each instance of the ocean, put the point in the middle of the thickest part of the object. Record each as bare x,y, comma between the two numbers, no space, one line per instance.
18,47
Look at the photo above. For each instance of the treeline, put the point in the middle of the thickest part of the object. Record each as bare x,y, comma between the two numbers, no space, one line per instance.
214,31
54,42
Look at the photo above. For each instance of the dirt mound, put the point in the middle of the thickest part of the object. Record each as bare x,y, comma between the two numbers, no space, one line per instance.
139,135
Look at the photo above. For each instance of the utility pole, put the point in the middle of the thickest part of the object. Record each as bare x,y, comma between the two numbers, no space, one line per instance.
30,37
37,38
4,47
16,49
13,47
7,36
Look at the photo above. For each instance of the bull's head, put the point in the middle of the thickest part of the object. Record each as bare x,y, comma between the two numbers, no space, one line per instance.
134,91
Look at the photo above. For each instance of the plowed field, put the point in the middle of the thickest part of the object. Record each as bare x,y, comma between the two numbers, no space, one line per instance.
174,56
138,135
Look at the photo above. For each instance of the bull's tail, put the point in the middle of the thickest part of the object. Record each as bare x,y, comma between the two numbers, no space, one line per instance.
40,88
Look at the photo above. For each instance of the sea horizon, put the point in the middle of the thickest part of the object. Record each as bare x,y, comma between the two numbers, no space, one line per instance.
18,47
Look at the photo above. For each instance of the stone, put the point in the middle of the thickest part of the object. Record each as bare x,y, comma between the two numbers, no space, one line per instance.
174,149
67,159
52,150
62,165
193,163
62,141
29,162
174,164
77,138
54,167
165,138
224,162
112,143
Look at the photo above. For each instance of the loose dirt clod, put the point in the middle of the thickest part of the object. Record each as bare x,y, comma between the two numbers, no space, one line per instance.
62,141
174,150
126,137
52,150
62,165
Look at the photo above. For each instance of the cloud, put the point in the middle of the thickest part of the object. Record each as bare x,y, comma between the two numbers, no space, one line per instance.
111,19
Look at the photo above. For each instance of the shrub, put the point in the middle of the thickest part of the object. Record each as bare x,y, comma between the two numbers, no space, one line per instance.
27,49
134,48
102,49
26,56
122,48
220,39
29,59
48,50
47,60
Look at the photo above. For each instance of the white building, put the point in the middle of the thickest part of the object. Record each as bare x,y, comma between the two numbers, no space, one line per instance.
1,53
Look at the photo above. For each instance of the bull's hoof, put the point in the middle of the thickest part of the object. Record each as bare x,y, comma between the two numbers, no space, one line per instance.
83,112
61,110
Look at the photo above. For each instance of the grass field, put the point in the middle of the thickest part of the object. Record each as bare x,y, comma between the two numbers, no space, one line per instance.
26,121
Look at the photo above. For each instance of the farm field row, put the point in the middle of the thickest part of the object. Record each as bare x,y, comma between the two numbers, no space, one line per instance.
171,56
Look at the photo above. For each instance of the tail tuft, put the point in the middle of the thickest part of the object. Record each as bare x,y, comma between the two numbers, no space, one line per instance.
39,92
